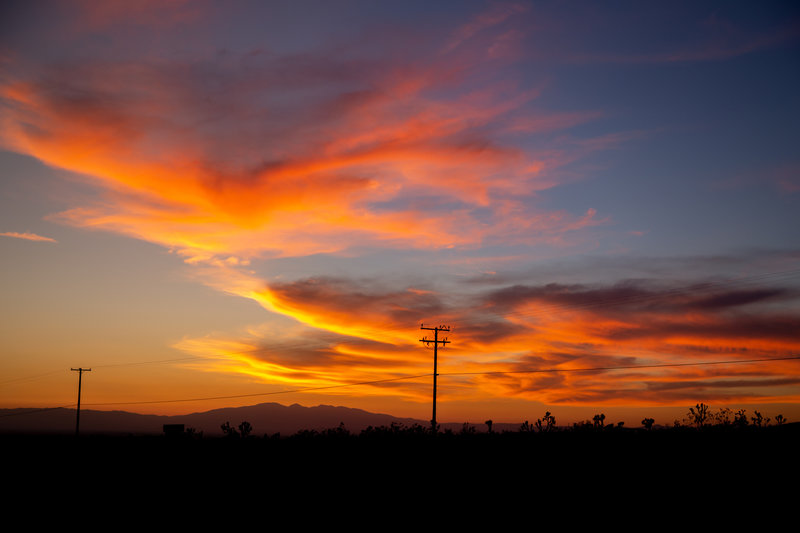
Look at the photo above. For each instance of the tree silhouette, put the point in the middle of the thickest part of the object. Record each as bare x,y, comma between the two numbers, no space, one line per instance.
740,419
722,417
245,428
229,430
759,420
648,423
599,420
780,420
699,414
548,423
339,431
489,423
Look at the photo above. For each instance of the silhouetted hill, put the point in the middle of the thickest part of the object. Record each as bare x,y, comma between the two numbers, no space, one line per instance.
265,418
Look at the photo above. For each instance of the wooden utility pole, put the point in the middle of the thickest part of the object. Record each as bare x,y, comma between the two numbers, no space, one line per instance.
436,342
80,372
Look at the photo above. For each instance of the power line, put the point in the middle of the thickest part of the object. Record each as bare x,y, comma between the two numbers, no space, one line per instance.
31,378
155,362
305,389
417,376
698,288
224,355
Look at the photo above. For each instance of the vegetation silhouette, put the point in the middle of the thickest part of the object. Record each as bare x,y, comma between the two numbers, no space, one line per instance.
740,419
245,428
699,415
229,431
547,424
759,420
542,436
470,453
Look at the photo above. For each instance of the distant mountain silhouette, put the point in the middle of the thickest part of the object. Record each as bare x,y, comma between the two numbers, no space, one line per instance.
266,418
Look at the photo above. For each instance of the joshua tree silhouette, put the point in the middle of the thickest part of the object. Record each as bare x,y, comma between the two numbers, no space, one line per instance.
548,423
699,414
245,428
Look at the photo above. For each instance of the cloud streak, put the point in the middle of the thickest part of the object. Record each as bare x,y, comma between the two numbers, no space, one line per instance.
27,236
556,330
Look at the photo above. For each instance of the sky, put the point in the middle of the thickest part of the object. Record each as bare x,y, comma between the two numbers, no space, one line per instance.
241,202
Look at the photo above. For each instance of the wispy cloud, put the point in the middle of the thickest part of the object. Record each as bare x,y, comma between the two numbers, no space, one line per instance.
259,155
228,157
27,236
373,327
493,17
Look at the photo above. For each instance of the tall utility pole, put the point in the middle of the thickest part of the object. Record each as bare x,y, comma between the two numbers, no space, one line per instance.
80,372
436,342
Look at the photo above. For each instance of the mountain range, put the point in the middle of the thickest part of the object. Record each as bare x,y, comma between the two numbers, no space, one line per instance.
265,418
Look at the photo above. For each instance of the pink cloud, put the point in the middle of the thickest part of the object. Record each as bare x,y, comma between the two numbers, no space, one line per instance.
491,18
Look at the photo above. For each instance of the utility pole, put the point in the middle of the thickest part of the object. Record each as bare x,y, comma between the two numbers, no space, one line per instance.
80,372
436,342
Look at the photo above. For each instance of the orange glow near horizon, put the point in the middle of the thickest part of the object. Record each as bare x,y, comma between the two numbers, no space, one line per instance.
376,342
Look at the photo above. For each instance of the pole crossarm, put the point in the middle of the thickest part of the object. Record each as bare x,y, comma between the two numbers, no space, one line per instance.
436,342
80,372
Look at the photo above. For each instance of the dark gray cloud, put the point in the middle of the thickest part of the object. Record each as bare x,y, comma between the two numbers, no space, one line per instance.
339,295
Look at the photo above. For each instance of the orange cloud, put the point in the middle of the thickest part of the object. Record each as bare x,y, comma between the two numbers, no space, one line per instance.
228,174
239,157
27,236
556,331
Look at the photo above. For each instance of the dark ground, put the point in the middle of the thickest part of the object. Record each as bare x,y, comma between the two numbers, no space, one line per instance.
706,462
626,479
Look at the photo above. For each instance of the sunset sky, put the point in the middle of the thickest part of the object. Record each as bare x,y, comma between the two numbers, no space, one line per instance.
206,199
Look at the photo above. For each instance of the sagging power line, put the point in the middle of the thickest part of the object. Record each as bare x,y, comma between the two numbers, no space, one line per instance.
418,376
445,374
